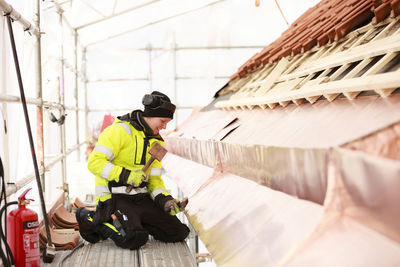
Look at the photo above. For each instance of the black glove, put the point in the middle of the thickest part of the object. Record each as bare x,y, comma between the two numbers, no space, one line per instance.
167,204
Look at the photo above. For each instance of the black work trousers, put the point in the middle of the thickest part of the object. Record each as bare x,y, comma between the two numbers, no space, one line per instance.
144,218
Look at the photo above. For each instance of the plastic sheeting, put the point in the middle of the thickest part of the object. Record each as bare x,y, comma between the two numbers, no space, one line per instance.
384,143
299,172
240,222
286,152
352,214
360,225
245,224
319,125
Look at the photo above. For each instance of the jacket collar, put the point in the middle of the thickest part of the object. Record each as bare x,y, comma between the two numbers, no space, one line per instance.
135,118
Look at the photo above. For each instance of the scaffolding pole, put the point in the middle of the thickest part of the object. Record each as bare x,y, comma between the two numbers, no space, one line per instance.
61,93
150,71
4,115
175,78
39,93
76,94
16,16
86,94
37,102
12,188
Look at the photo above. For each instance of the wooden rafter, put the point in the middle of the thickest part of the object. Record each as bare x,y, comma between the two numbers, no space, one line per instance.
349,68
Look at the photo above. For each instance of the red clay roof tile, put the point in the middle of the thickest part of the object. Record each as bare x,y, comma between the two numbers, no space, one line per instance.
395,4
356,18
326,22
382,12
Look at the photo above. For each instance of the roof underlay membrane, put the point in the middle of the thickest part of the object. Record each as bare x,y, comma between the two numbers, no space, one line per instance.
296,161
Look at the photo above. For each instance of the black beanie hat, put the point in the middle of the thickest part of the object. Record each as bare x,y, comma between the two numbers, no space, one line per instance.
158,104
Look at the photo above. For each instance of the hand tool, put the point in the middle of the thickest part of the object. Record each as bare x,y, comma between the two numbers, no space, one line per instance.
157,152
182,204
118,225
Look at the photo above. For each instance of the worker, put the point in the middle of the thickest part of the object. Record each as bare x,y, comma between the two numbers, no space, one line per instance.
117,161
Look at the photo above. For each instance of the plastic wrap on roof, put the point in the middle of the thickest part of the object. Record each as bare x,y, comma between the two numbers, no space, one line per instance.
383,143
360,222
319,125
284,148
350,216
298,172
243,223
240,222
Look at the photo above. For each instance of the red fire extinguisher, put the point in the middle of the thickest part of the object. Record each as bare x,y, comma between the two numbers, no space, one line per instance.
23,233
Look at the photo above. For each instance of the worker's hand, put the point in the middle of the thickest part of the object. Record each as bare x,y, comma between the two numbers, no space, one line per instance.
136,178
171,207
167,203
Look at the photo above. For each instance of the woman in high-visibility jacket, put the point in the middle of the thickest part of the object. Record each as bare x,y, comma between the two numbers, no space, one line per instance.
117,161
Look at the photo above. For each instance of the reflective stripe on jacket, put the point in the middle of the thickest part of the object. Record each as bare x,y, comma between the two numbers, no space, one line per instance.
122,146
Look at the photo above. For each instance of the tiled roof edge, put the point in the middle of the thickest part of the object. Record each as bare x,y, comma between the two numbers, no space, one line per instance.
328,21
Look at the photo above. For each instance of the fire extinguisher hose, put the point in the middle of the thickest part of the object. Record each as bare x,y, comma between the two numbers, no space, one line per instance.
28,127
3,237
6,256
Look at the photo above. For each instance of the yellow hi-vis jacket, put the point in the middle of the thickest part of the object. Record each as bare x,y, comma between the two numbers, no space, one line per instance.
122,146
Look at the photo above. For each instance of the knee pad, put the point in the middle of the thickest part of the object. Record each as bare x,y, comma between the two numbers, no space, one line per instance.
139,238
105,231
134,239
90,236
86,227
181,234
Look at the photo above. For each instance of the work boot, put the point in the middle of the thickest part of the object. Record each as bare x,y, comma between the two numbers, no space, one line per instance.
86,225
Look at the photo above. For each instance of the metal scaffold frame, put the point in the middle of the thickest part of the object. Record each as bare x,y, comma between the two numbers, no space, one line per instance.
40,103
81,74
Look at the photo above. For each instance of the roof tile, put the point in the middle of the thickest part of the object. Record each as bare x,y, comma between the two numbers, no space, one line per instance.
356,18
381,12
327,21
395,4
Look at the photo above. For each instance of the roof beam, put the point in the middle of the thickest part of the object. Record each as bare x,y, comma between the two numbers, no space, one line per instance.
201,47
56,5
93,8
154,22
115,15
147,79
114,7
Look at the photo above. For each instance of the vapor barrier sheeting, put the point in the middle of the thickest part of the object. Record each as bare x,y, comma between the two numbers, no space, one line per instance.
383,143
319,125
360,222
274,187
299,172
243,223
285,148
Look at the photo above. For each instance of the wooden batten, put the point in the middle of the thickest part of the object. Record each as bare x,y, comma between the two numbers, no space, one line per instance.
331,97
327,71
351,95
284,103
385,92
312,99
